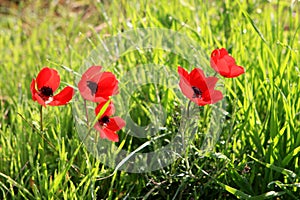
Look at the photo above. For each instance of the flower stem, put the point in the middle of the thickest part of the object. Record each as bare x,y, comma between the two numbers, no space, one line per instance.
41,118
38,132
184,143
88,125
188,109
86,114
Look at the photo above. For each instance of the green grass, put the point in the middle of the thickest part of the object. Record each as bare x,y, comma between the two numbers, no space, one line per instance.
261,131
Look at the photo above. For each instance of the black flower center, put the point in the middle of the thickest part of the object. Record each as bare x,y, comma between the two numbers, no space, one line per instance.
93,87
104,120
197,92
46,91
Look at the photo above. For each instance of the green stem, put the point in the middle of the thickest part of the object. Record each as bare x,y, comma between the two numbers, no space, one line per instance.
41,118
188,109
184,144
38,132
86,114
88,125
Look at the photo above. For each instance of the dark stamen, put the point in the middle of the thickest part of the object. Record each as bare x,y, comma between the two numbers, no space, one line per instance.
197,92
104,120
93,87
46,91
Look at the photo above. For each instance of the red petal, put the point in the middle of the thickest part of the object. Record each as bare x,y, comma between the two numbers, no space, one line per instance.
86,92
213,64
186,88
208,97
214,57
205,99
222,67
33,90
110,110
222,52
197,78
229,60
35,94
184,83
97,127
211,82
212,96
105,133
199,102
48,77
236,71
93,74
63,97
219,61
108,134
107,85
216,96
115,123
40,100
206,85
225,64
183,74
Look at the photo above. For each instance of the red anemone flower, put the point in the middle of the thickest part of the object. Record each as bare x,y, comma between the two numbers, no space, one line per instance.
198,88
97,86
224,64
45,84
107,125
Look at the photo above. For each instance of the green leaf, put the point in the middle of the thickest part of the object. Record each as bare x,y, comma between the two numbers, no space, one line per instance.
16,184
290,156
235,192
281,170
